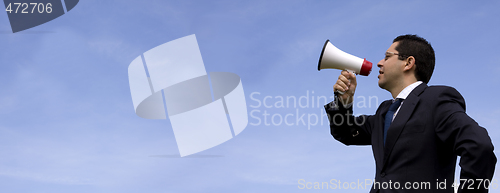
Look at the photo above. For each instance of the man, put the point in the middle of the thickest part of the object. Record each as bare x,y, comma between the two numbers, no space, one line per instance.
417,136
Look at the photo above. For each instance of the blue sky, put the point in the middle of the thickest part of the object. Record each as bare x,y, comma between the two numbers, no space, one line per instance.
67,122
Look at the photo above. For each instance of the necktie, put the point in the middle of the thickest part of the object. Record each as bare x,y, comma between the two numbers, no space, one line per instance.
388,117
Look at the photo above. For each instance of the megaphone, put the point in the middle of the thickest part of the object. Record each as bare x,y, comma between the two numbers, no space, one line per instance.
332,57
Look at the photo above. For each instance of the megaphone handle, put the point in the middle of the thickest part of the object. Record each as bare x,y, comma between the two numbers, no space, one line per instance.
340,92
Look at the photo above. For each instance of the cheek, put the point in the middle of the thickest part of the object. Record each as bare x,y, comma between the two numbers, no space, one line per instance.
389,68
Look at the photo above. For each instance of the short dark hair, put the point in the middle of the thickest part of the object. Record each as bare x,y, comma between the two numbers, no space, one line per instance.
421,50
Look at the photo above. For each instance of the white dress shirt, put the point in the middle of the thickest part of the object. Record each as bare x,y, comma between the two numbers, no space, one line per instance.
404,93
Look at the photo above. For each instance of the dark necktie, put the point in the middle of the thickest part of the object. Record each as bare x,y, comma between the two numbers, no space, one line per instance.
388,117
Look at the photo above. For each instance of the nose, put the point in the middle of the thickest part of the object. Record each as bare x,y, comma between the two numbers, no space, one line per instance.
380,63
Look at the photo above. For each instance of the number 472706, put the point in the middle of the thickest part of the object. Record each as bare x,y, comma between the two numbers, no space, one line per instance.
25,7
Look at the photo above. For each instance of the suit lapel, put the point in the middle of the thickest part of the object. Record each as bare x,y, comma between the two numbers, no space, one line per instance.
380,134
404,113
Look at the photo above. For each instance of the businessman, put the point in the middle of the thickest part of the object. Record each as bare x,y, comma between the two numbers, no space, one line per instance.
416,136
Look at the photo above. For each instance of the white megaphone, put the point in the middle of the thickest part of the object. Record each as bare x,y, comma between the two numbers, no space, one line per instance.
332,57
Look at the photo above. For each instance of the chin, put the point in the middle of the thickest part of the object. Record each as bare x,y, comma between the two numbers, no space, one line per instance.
381,84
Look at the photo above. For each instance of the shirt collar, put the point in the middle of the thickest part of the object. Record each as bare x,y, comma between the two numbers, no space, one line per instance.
406,91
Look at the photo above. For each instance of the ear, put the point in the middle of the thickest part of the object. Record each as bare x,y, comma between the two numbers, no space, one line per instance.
410,63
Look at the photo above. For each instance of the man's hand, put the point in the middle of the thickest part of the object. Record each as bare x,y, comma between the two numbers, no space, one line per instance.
347,84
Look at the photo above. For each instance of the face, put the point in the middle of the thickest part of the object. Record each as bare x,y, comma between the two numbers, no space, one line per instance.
391,69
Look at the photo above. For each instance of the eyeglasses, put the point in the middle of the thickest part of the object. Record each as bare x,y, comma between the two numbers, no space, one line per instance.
387,56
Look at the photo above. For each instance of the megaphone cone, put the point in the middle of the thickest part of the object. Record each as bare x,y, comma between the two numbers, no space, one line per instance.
332,57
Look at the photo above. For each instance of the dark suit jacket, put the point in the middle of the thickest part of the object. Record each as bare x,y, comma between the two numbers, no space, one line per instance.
429,131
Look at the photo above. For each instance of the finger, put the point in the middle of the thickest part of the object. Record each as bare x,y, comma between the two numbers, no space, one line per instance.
342,84
345,80
345,73
336,88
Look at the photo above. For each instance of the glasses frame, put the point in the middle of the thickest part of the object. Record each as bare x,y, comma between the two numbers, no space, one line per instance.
387,52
